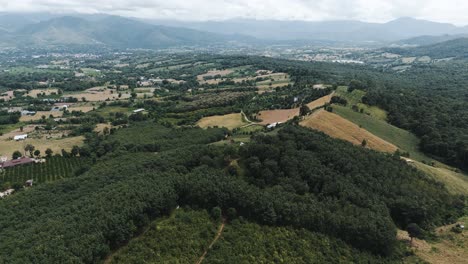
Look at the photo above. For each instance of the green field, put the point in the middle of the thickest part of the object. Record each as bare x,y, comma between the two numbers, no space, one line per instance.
403,139
55,168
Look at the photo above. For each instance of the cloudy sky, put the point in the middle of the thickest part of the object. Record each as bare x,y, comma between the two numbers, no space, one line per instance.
453,11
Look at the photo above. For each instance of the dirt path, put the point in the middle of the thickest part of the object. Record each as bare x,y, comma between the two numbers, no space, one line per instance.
218,235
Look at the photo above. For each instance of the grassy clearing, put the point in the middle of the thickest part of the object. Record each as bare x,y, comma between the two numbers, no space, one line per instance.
10,146
338,127
229,121
355,98
448,248
456,183
109,111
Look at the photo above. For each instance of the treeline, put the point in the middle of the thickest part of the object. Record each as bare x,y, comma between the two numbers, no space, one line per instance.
438,115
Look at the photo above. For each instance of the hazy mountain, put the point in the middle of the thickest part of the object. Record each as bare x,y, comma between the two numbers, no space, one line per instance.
353,31
111,31
430,40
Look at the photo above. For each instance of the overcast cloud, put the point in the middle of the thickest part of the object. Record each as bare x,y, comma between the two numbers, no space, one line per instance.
453,11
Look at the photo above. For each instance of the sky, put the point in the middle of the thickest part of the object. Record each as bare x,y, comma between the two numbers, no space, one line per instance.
451,11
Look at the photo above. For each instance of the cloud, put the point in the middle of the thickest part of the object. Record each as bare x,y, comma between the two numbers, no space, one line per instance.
453,11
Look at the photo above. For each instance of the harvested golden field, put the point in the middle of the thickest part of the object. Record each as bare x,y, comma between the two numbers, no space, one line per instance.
39,114
338,127
320,102
229,121
283,115
10,146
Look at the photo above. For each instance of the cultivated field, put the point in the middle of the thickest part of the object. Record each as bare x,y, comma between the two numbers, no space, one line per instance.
53,169
99,94
338,127
283,115
278,115
320,102
229,121
213,73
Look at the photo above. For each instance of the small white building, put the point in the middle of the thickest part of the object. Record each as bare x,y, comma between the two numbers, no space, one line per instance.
6,193
20,137
271,126
139,110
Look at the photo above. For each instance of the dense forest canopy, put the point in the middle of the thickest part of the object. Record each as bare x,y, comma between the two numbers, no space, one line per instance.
297,178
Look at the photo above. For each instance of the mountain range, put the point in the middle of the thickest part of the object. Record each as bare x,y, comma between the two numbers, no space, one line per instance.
43,29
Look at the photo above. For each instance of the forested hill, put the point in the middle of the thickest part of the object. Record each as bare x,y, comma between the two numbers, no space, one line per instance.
452,48
297,178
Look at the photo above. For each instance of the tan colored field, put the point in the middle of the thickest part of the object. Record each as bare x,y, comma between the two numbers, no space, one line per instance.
283,115
279,115
99,94
100,127
11,134
39,114
83,108
229,121
35,92
338,127
7,96
449,249
10,146
320,102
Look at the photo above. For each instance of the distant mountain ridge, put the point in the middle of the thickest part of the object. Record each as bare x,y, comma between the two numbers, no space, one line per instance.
44,29
111,31
345,31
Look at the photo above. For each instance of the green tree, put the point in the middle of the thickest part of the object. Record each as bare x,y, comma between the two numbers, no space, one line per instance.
17,154
304,110
29,148
364,143
37,153
49,152
216,213
414,231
